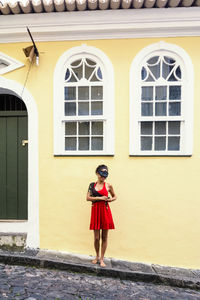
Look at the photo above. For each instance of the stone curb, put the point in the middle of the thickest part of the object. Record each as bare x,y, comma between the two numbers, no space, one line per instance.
25,260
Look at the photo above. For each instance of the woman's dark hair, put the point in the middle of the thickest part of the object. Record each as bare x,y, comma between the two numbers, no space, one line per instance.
101,167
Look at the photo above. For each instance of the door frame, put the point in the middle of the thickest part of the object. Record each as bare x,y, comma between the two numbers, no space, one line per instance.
30,226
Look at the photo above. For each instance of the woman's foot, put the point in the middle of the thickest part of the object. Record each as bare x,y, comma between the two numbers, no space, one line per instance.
102,264
95,261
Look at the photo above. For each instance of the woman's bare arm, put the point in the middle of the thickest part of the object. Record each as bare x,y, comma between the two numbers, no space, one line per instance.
112,193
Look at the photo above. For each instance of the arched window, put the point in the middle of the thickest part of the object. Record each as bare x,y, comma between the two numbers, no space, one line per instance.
161,110
83,103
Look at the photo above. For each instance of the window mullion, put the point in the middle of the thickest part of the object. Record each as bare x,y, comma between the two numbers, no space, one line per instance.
153,137
90,135
77,136
167,135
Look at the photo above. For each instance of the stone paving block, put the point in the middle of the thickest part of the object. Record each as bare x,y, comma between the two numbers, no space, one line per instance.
64,256
196,273
125,265
173,272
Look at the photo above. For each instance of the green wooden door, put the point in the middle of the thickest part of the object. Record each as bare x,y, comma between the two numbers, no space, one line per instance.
13,165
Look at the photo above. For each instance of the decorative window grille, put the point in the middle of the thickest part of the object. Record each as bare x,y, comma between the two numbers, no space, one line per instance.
161,107
86,105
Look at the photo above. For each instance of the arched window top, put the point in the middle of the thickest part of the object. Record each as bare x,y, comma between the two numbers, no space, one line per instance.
84,69
160,103
161,68
89,56
84,103
169,54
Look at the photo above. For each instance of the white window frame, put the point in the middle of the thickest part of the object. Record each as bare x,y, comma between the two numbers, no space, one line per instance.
186,146
11,64
108,103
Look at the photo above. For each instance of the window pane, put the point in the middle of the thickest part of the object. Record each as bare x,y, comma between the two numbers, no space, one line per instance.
147,93
161,109
78,72
149,78
153,60
147,128
83,108
70,128
174,127
70,143
67,74
178,72
99,74
83,143
155,70
94,77
97,108
175,92
83,92
160,128
84,128
70,93
88,71
97,128
169,60
90,62
160,143
143,73
147,109
166,69
173,143
70,109
161,92
96,92
97,143
76,63
175,109
146,143
172,77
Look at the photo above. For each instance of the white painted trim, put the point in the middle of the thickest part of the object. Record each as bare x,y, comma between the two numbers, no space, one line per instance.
13,64
108,24
134,85
109,111
31,227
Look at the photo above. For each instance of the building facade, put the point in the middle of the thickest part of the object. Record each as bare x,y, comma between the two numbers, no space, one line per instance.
113,87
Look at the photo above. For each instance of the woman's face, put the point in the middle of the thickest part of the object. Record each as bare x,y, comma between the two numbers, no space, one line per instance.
101,178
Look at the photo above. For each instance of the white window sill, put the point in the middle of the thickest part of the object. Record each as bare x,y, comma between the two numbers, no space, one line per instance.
83,153
161,153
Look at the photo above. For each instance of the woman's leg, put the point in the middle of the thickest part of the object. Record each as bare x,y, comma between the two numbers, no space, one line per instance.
96,245
103,246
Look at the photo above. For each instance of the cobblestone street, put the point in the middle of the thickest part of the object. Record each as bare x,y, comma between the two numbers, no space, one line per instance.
18,282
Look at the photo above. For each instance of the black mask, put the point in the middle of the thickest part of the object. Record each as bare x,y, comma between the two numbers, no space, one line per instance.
103,173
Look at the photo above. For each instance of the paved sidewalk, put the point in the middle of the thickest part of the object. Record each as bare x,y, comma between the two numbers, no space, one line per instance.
179,277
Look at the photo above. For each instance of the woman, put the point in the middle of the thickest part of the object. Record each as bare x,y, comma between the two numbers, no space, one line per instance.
101,217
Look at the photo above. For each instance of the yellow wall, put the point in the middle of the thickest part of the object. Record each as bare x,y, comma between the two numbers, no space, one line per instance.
157,211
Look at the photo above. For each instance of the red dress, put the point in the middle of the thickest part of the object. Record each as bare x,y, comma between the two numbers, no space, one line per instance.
101,216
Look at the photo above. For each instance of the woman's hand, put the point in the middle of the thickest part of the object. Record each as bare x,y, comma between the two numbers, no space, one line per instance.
104,198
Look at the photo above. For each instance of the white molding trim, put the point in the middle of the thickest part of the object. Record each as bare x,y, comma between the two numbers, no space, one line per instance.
31,227
108,24
109,112
134,86
12,64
